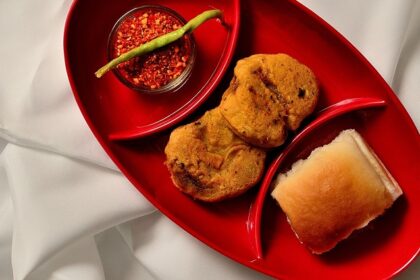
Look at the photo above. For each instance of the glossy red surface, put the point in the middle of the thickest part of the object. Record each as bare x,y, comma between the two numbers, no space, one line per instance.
135,114
379,251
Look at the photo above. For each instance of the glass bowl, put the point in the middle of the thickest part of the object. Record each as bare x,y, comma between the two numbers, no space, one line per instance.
163,70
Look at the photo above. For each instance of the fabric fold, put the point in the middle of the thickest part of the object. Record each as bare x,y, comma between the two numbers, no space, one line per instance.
118,259
58,200
80,260
376,27
37,108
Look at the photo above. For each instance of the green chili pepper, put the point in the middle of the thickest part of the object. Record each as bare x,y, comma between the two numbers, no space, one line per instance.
159,41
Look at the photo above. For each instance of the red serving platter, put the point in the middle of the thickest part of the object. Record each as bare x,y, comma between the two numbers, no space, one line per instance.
379,251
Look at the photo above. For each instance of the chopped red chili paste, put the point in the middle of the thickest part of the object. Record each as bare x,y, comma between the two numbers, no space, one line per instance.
159,67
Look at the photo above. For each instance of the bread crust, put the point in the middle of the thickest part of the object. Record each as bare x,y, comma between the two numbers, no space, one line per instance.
339,188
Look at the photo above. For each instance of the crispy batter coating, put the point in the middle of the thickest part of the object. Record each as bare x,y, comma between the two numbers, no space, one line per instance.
209,162
269,94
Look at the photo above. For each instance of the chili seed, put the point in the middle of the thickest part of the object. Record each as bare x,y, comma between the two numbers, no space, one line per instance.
155,69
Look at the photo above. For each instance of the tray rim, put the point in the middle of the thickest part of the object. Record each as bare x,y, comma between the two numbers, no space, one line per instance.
251,264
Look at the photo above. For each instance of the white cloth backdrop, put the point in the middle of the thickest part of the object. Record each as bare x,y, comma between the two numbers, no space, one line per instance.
66,212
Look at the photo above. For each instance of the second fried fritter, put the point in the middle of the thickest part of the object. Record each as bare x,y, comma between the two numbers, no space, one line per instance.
269,94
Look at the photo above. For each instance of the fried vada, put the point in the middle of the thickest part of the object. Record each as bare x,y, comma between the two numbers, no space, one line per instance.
269,95
209,162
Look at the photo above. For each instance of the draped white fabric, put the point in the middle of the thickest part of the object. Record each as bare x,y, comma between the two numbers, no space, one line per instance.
66,212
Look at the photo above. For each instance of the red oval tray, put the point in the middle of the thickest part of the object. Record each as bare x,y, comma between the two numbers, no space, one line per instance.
380,251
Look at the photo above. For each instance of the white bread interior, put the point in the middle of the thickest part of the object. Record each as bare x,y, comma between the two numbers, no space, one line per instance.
339,188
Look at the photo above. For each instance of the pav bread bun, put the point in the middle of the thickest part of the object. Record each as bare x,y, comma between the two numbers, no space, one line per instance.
339,188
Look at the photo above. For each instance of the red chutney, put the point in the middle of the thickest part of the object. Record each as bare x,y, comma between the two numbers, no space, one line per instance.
158,68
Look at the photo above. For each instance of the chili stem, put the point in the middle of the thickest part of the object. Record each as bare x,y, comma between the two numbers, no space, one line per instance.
159,41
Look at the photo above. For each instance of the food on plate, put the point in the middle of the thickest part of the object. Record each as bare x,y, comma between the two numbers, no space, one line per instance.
339,188
217,157
209,162
143,30
269,94
158,68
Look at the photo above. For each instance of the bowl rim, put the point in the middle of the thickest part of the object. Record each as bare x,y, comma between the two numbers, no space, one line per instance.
174,84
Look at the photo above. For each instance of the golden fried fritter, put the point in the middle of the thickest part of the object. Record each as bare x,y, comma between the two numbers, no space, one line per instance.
269,94
209,162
